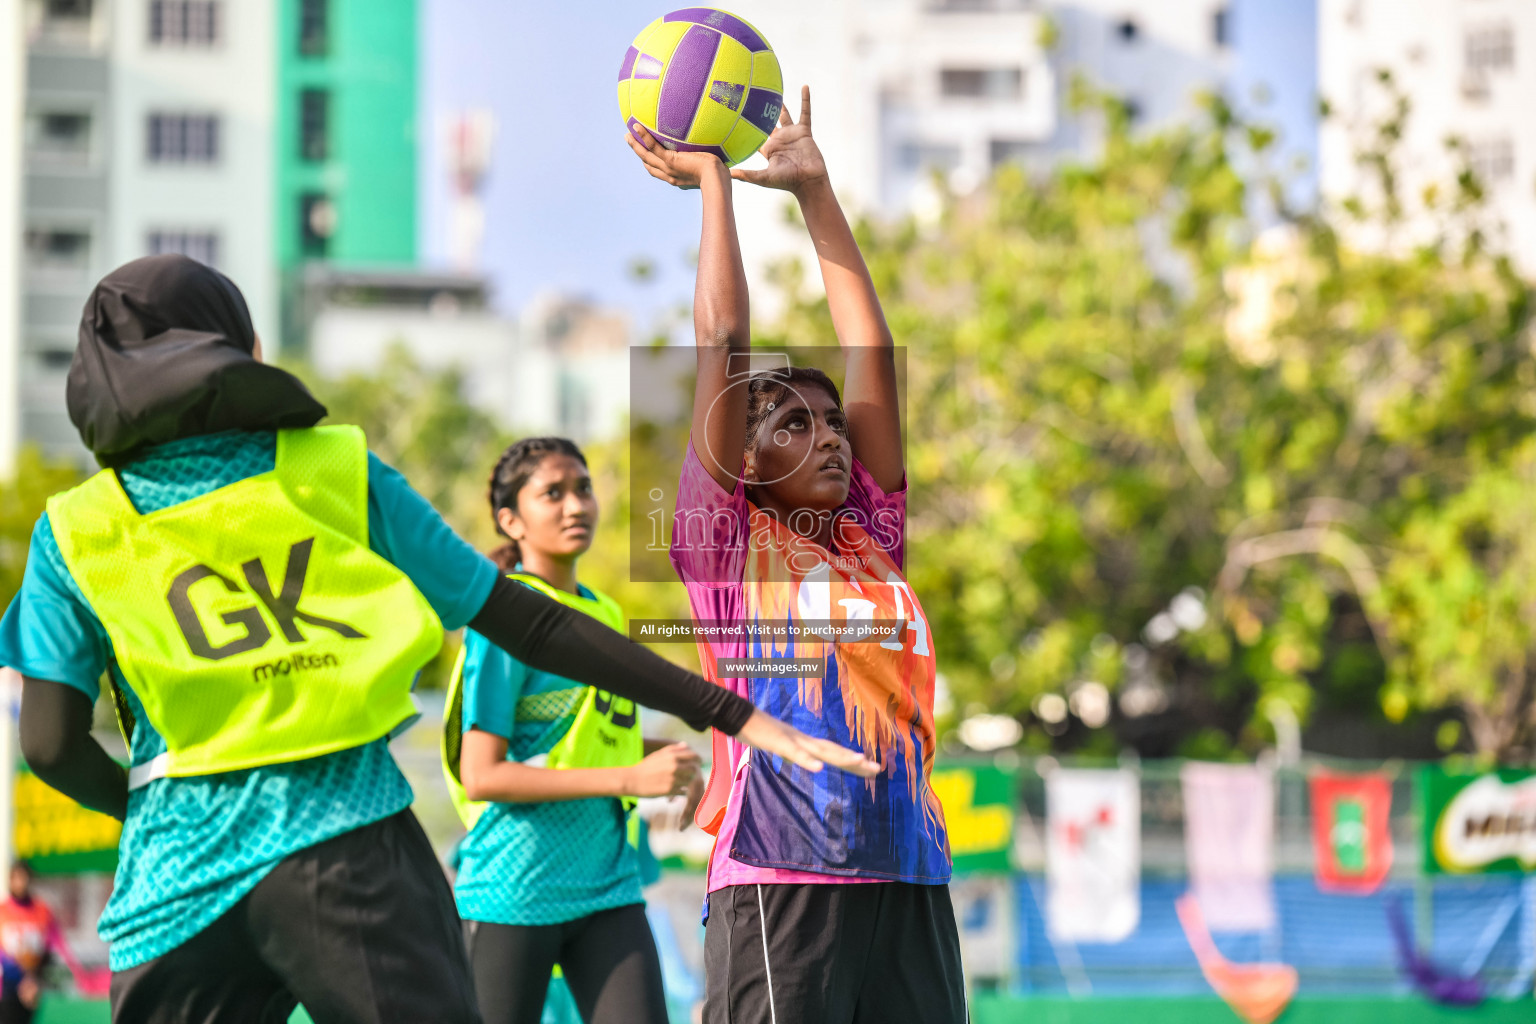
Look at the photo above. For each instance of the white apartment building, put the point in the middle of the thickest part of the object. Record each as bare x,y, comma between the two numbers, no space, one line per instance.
1468,68
1155,55
193,103
13,63
148,129
901,89
65,232
561,368
906,88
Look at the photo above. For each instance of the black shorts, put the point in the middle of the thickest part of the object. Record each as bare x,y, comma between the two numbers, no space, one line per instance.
868,953
608,959
361,929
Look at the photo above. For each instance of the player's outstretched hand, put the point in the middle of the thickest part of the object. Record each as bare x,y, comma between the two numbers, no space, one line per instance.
794,159
772,736
685,170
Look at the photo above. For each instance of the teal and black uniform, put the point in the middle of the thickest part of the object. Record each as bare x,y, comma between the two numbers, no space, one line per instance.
549,883
536,863
192,847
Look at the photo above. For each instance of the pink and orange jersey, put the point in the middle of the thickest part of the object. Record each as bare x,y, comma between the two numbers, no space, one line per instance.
27,931
775,822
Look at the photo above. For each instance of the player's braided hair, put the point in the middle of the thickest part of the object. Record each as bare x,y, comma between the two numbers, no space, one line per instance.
512,471
768,388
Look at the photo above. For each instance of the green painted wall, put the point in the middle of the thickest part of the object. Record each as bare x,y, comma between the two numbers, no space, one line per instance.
1054,1010
369,174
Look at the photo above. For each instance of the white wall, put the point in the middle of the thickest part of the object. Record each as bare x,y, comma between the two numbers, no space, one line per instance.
13,64
1424,43
236,78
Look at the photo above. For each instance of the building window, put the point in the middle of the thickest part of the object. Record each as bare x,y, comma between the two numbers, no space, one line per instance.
1009,151
317,223
1221,27
1492,160
66,23
1133,110
1490,48
982,83
190,23
202,246
1127,30
314,27
922,156
59,138
183,138
58,250
314,110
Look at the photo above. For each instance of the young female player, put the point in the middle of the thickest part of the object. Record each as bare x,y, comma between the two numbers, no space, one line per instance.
547,875
260,595
827,896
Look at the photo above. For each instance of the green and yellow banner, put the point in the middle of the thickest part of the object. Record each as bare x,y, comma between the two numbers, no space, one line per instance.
979,810
1477,822
56,835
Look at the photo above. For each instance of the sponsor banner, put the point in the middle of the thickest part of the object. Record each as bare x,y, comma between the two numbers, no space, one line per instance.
978,810
1351,832
1229,827
1478,822
56,835
1092,854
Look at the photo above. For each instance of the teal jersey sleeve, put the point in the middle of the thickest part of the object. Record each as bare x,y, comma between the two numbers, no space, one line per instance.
493,682
405,530
49,631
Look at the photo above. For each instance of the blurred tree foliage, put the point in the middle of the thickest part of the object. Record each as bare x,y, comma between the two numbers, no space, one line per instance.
22,500
1210,467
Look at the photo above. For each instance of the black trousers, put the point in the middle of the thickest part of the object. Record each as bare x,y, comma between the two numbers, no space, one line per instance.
608,958
868,953
361,929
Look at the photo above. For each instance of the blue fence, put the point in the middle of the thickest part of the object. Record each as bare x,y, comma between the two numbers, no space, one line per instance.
1340,945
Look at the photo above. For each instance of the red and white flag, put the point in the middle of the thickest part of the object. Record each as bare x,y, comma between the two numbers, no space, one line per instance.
1092,854
1351,831
1229,825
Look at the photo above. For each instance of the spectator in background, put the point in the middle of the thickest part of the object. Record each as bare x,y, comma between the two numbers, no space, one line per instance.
29,936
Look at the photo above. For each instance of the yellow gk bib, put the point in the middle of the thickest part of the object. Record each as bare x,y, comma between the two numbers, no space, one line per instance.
604,734
254,623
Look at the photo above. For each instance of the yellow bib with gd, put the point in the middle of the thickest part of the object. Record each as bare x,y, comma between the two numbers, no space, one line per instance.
254,623
605,732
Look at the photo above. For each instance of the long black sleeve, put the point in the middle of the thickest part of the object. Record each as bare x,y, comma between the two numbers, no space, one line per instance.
545,634
57,743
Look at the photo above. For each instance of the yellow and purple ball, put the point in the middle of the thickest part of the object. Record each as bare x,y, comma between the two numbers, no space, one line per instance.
702,79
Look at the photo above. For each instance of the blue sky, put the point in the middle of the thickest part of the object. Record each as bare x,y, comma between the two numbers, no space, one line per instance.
567,204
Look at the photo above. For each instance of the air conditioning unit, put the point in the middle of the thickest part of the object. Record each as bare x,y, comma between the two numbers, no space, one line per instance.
1474,85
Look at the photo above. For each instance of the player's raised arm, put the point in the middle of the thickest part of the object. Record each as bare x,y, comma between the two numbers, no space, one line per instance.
869,387
721,317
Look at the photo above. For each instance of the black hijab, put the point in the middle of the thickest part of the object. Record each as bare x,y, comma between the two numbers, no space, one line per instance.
165,352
